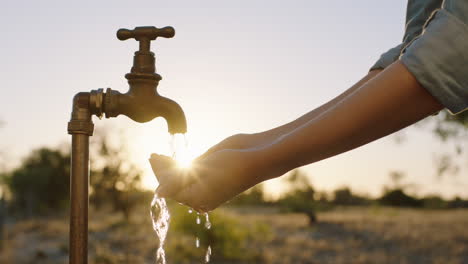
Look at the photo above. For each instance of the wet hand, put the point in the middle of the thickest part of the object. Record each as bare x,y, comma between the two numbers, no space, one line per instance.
213,178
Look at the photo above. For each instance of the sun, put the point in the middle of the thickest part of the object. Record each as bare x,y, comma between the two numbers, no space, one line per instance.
182,153
184,158
154,138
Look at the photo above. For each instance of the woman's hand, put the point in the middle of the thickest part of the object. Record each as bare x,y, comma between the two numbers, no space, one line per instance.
212,179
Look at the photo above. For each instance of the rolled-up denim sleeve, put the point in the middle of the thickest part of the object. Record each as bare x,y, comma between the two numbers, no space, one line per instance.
438,58
417,13
387,58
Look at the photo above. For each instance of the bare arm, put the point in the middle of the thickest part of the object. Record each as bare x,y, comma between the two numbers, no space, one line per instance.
387,103
286,128
246,141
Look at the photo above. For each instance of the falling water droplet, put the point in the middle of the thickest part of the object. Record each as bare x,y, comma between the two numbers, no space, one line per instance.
207,221
186,140
197,242
173,146
198,220
190,211
208,254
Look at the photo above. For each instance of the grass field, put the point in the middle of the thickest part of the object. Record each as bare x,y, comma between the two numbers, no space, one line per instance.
343,235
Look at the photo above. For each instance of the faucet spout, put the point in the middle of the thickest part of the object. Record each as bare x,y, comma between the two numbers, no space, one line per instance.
142,103
174,115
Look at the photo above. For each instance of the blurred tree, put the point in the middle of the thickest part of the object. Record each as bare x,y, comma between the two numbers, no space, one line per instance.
253,196
452,130
2,220
457,202
434,202
41,183
2,195
114,179
300,197
449,126
344,196
397,197
2,167
397,182
396,177
394,194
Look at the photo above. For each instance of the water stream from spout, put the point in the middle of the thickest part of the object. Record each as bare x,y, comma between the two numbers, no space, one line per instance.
160,217
160,214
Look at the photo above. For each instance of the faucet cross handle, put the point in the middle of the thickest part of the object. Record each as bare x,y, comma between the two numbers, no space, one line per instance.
145,35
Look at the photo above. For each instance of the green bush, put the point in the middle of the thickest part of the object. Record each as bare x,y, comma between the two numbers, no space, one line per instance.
229,236
344,196
398,197
434,202
252,197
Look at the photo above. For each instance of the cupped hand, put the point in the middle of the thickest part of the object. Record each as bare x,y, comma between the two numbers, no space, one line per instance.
211,180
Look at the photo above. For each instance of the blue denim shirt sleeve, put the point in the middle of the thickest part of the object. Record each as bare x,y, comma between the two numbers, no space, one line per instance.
438,58
417,13
387,58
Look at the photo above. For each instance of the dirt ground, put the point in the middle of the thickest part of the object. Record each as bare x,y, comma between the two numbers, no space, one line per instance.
370,235
343,235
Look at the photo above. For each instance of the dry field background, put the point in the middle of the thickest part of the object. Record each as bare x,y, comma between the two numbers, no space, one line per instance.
343,235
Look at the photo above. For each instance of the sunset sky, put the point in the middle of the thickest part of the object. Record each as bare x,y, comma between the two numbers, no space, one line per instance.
234,66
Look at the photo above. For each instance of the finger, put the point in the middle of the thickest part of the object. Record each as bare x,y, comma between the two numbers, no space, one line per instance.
199,196
162,160
173,181
168,189
164,177
190,196
159,163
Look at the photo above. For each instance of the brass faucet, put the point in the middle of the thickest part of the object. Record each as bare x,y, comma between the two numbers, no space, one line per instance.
141,103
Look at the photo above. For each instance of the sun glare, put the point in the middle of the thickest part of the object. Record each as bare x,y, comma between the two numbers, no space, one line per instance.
184,159
182,153
153,138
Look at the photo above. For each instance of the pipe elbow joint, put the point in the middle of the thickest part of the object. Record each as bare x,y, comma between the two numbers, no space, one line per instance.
80,120
81,100
80,107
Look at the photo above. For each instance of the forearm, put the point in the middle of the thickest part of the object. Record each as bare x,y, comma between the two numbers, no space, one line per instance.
286,128
385,104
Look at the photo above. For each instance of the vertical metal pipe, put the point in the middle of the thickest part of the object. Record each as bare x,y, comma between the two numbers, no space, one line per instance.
79,199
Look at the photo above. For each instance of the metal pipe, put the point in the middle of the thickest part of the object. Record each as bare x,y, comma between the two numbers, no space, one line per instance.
79,199
81,128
